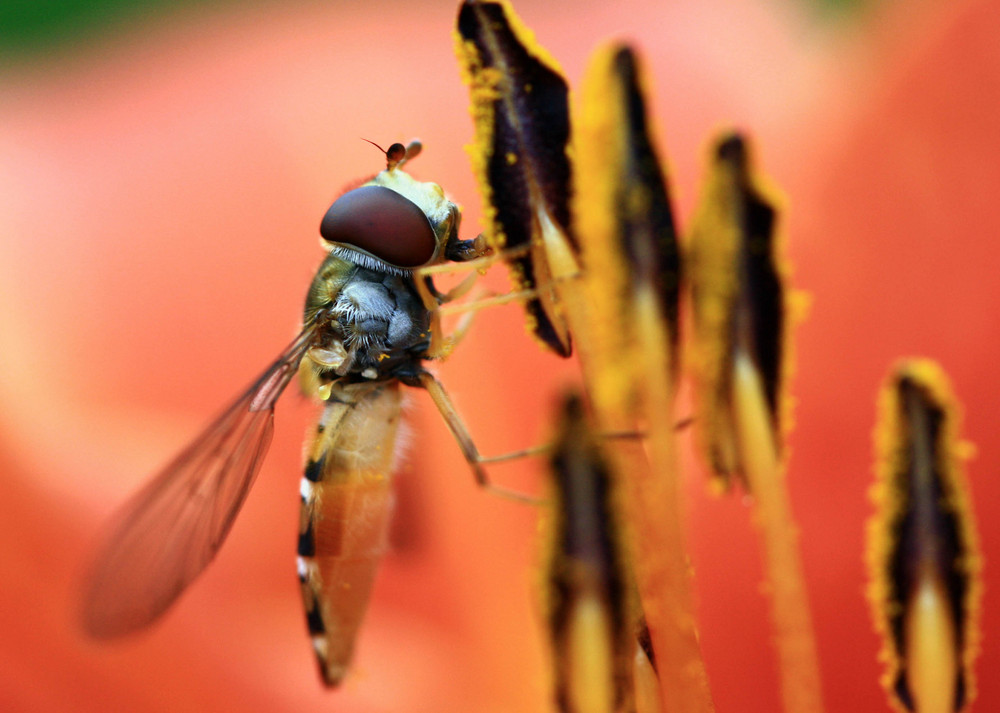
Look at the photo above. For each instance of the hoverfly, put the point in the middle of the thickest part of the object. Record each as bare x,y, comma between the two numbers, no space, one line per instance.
366,330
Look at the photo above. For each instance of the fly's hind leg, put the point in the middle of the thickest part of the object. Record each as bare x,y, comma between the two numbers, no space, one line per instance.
458,429
478,461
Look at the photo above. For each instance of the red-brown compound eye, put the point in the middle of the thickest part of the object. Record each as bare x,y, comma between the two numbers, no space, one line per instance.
382,222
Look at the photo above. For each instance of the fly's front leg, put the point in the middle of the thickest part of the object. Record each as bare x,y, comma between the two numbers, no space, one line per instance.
471,255
465,442
458,252
552,284
441,344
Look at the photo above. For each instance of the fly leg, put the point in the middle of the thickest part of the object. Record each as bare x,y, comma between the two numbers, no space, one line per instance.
437,303
458,429
433,299
442,344
545,448
477,462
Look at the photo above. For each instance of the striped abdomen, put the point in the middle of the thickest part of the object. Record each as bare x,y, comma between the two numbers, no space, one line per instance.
346,505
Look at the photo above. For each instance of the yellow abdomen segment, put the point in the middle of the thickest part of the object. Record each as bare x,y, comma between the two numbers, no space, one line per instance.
346,506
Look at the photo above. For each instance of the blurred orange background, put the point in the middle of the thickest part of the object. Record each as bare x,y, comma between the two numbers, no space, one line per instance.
162,190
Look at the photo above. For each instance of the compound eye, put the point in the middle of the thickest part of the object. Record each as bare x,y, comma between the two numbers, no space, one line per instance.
382,222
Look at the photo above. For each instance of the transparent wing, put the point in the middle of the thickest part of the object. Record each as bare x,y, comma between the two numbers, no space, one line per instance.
170,530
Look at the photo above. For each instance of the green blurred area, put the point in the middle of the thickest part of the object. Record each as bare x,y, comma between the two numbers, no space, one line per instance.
33,25
36,26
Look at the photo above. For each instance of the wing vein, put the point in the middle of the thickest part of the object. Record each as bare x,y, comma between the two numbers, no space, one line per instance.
166,535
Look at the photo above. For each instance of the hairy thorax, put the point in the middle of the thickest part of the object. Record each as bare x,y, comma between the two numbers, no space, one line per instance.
373,326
